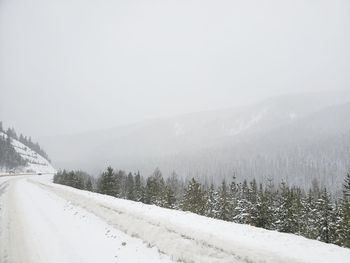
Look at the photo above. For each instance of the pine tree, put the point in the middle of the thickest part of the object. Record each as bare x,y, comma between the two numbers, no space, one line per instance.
263,212
130,195
324,210
310,216
176,186
234,195
88,185
155,193
270,197
224,210
253,200
139,189
170,199
193,199
344,224
243,208
284,210
107,183
211,201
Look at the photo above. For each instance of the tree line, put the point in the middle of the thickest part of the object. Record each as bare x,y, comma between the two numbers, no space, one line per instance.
314,214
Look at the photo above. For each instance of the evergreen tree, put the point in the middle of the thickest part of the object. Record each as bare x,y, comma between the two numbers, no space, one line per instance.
234,195
253,201
344,224
176,186
224,210
211,201
262,209
88,185
193,199
139,189
107,183
284,210
170,199
155,185
324,210
130,187
243,209
270,198
310,216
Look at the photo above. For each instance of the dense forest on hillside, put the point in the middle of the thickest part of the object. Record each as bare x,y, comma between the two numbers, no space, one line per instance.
314,214
9,158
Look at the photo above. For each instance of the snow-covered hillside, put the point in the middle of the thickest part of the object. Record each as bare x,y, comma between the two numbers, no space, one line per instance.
35,162
63,224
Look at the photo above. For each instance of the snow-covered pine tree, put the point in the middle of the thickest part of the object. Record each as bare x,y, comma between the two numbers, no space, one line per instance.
224,209
233,197
211,200
88,185
193,199
107,183
324,210
270,196
130,195
177,187
139,189
284,210
243,208
155,187
253,200
170,199
344,223
310,216
262,206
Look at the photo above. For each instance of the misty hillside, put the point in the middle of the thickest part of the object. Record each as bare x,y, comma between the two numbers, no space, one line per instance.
296,138
20,154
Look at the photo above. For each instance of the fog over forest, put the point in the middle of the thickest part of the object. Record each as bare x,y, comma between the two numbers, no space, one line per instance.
206,89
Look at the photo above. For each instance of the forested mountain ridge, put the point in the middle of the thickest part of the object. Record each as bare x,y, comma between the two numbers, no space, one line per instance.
296,138
21,154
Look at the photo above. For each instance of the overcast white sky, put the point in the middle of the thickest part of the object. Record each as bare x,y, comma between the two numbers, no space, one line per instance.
74,65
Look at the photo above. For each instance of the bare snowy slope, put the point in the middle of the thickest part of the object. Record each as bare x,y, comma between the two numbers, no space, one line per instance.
54,223
35,162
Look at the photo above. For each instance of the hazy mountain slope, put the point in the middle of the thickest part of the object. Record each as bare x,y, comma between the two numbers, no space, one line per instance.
254,141
34,161
316,146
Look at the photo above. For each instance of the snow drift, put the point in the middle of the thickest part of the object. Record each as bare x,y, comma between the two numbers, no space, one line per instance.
189,237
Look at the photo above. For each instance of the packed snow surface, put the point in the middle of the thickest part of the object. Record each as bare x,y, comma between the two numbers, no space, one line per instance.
55,223
38,226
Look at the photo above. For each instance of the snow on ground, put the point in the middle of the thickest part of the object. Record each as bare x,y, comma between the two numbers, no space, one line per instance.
45,222
192,238
39,226
36,163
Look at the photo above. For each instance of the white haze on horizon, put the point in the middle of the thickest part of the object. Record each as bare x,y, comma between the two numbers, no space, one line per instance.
71,66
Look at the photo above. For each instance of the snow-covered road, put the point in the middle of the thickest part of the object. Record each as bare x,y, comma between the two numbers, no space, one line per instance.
44,222
40,227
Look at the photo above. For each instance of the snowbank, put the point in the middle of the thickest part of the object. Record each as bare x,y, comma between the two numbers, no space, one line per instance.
192,238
